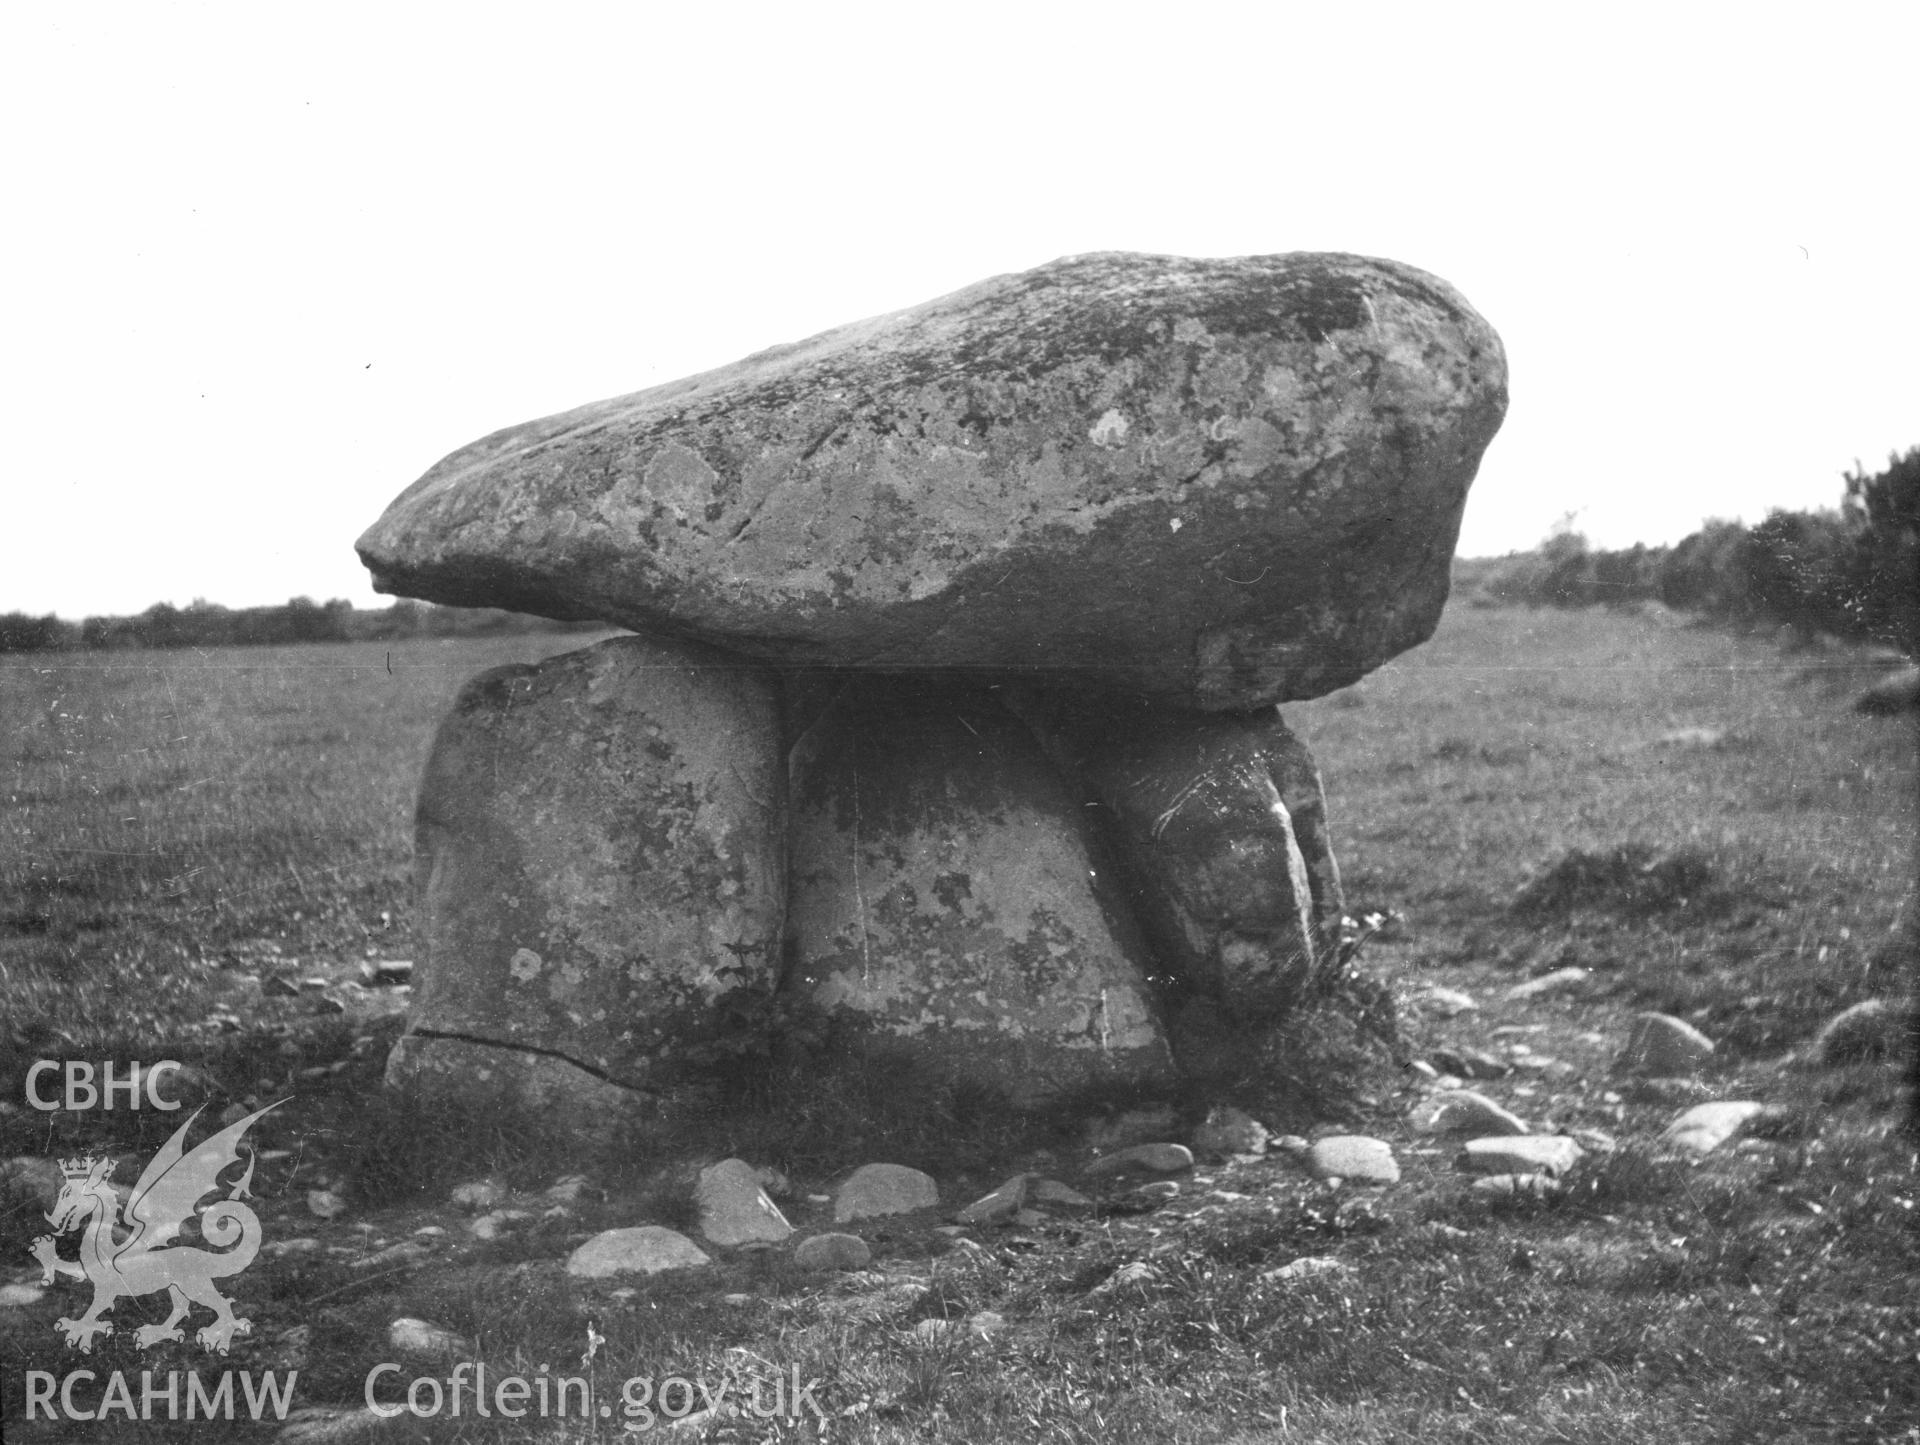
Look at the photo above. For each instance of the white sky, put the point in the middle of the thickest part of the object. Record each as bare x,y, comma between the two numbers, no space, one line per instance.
265,264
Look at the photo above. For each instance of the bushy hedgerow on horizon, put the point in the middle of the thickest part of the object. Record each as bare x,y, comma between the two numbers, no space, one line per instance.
1851,572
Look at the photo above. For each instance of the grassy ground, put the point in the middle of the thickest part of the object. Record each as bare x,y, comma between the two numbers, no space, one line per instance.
1697,819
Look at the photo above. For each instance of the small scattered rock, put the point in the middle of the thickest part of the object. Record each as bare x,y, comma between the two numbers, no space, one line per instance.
1517,1186
279,987
1471,1063
1003,1204
1292,1144
1355,1158
1055,1195
1693,737
1530,1154
496,1222
986,1323
1307,1268
1136,1272
1146,1158
873,1190
282,1248
1894,694
1558,981
644,1249
1447,1002
1705,1127
1158,1190
734,1209
1663,1045
394,1255
325,1204
478,1196
823,1253
425,1340
567,1189
320,1425
1228,1131
19,1296
1462,1111
1869,1030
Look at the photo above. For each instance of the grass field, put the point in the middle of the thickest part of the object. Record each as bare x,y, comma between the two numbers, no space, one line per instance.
1696,818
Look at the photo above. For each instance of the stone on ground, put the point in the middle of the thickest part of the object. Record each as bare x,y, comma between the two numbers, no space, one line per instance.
601,859
644,1249
1308,1267
1143,1158
1355,1158
1462,1111
1192,478
874,1190
1530,1154
945,911
825,1253
1560,980
999,1206
426,1340
1227,1131
734,1209
1664,1046
1705,1127
1870,1029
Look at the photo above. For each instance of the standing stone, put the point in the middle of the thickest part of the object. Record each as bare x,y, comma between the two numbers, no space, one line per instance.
1223,482
734,1209
946,910
1206,839
600,866
1664,1046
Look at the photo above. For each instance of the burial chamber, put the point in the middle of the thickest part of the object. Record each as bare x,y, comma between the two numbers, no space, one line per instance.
951,715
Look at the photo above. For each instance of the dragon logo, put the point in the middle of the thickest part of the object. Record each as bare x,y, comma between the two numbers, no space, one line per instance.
128,1254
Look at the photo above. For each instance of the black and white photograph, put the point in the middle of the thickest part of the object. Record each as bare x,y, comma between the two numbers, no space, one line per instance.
1141,726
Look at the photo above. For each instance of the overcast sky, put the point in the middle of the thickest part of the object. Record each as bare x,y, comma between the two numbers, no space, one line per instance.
265,264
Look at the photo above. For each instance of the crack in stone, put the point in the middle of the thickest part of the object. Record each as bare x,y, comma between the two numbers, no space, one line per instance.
584,1067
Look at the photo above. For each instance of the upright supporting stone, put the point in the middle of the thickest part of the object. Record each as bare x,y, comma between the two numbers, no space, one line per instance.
601,870
945,907
1298,778
1216,872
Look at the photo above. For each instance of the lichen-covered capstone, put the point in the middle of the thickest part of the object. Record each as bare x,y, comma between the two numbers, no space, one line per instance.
1222,482
601,868
945,910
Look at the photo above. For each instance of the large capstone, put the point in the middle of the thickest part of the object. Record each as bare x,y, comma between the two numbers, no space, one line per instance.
1224,483
601,871
949,908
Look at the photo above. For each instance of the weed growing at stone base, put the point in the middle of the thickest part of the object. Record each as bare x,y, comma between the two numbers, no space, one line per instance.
1697,821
